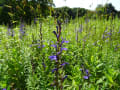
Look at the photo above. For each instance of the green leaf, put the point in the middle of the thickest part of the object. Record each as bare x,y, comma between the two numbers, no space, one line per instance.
101,80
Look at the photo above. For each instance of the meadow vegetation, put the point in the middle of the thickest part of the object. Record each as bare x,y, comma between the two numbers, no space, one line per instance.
92,55
61,53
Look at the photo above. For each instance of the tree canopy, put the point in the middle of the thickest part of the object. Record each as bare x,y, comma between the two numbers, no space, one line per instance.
15,10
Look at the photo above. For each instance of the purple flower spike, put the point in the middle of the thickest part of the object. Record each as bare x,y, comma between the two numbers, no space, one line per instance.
63,64
86,77
63,49
53,57
4,89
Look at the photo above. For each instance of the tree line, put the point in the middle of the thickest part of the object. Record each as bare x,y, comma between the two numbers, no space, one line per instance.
13,11
107,11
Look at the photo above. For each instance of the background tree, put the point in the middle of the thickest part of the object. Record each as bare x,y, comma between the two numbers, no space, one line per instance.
27,10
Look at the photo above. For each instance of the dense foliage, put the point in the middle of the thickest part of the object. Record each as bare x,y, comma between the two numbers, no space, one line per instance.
12,11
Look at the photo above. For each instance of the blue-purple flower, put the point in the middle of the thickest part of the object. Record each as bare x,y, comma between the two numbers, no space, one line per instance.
86,77
55,46
43,64
87,74
65,76
63,41
63,64
10,32
86,71
53,70
63,49
4,89
54,57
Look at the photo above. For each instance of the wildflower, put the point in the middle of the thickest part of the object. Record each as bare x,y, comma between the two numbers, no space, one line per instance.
63,64
54,70
54,57
81,70
4,89
85,77
58,22
65,77
22,32
55,46
42,46
63,41
109,34
86,71
10,32
63,49
87,74
43,64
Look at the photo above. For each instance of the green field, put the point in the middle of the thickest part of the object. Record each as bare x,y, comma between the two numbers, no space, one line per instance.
92,60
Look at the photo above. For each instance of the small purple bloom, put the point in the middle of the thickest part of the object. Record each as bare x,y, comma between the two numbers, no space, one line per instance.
54,70
64,42
43,64
86,71
55,46
65,77
53,57
109,33
55,33
63,64
58,53
9,31
86,77
42,46
4,89
38,46
81,69
80,30
58,22
63,49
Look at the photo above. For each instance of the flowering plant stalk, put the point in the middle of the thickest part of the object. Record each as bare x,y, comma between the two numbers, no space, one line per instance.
59,64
